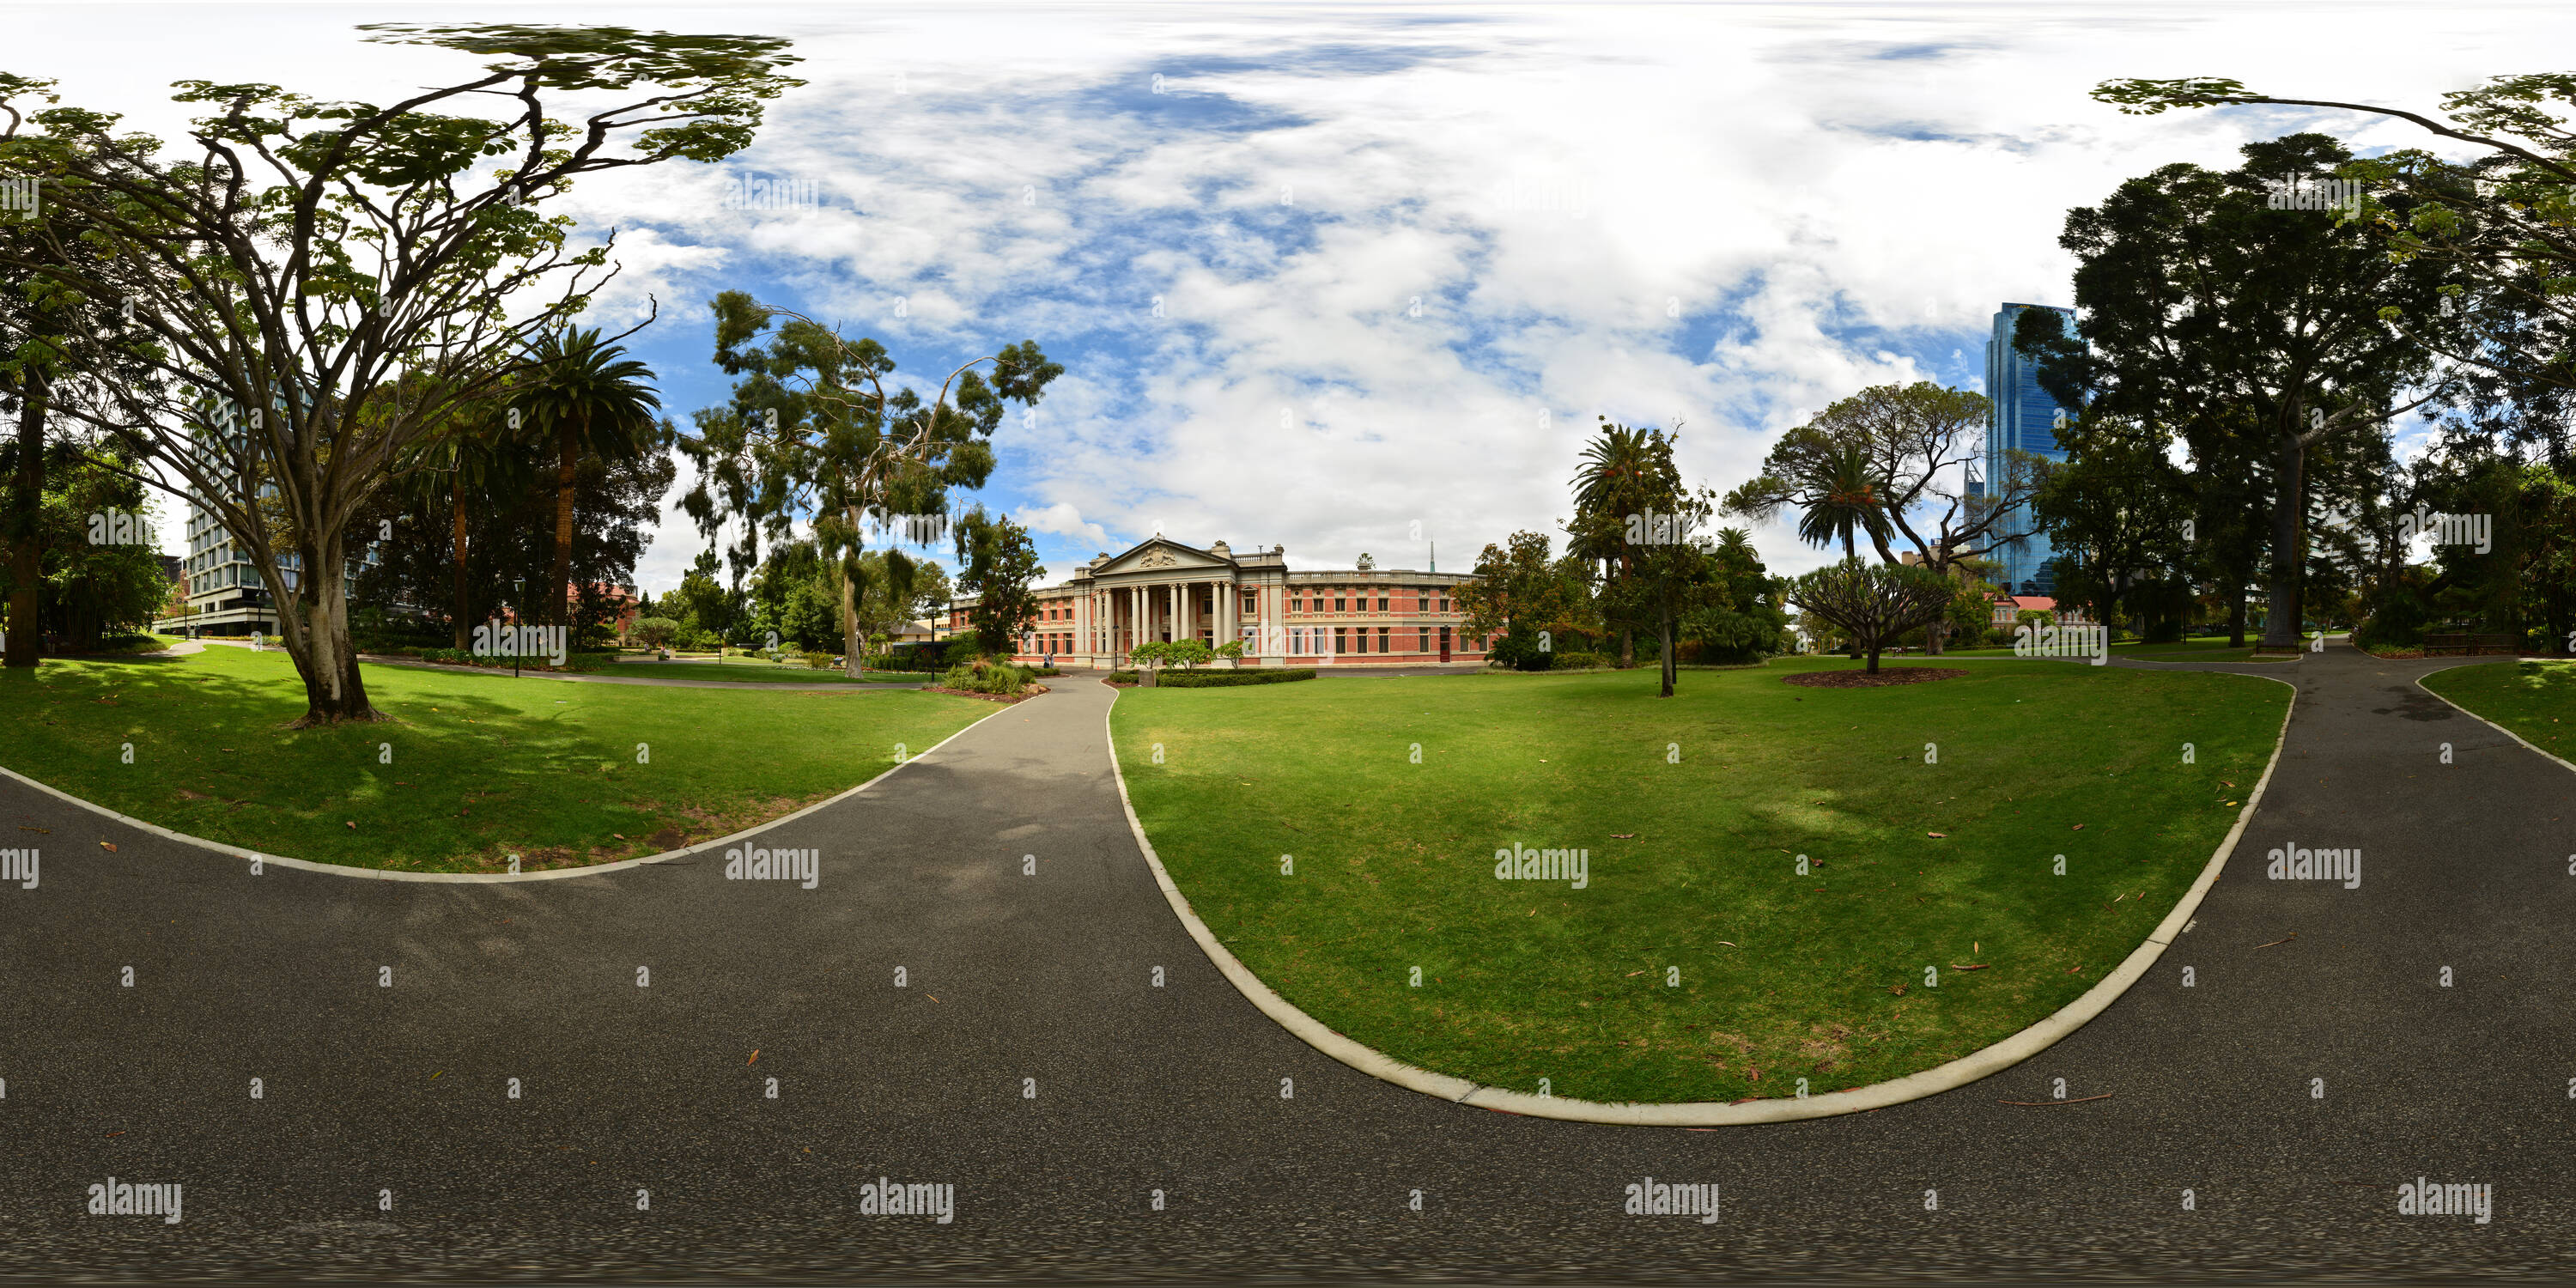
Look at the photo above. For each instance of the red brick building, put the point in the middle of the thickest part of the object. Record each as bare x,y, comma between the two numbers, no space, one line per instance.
1163,590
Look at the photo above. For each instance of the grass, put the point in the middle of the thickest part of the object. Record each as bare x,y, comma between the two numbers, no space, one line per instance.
483,766
2536,700
1693,865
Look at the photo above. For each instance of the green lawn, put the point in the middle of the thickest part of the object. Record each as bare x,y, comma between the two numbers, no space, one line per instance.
2536,700
483,766
1693,865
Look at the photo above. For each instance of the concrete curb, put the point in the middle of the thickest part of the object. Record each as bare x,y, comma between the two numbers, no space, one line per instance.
482,878
2419,683
1707,1113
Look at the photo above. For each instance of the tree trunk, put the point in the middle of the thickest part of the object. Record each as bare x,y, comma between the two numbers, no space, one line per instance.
1873,656
1627,647
1666,633
1932,633
567,456
850,664
2236,615
2281,618
315,628
26,512
463,608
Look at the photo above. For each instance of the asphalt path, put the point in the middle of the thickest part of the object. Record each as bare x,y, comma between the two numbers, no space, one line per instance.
376,1094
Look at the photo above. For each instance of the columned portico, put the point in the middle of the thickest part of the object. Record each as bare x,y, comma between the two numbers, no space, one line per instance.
1164,590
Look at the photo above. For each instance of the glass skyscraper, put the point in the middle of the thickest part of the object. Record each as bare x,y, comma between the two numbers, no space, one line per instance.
2023,417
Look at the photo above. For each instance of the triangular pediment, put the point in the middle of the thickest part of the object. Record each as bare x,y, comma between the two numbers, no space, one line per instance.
1161,554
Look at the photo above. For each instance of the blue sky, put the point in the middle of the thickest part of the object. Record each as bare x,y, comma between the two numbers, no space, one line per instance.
1332,276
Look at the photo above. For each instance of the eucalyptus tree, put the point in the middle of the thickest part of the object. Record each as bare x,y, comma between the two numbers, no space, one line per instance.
2498,225
302,255
2199,290
813,432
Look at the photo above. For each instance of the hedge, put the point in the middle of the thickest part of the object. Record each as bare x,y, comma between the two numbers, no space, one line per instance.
1228,679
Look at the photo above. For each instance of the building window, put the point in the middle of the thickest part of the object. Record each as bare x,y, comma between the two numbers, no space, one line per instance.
1341,639
1337,603
1381,639
1423,644
1381,605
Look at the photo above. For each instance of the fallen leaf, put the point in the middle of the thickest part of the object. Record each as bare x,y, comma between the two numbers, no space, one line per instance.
353,826
1724,942
1632,974
1957,966
755,1056
46,830
619,835
1899,990
434,1077
2079,827
107,846
1938,836
1623,836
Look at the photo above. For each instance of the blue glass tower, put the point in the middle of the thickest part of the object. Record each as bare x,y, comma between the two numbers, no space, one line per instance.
2023,417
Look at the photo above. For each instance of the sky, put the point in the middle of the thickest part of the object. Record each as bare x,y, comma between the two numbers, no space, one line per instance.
1362,278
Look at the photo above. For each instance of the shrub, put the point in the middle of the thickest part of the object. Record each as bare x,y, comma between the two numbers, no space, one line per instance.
981,676
1579,660
1122,677
653,632
819,661
961,651
1229,679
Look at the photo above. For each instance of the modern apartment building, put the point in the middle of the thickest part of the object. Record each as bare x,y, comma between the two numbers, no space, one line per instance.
225,593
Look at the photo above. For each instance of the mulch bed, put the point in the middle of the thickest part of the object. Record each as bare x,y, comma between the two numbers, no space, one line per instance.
1859,679
988,697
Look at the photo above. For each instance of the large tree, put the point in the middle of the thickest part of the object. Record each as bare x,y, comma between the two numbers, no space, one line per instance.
811,433
2198,291
307,254
1917,446
1873,603
999,566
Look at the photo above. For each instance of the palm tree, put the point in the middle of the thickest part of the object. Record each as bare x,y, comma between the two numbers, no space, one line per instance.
1616,479
1848,500
588,398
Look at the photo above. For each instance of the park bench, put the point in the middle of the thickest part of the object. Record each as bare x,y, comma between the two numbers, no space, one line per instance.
2470,645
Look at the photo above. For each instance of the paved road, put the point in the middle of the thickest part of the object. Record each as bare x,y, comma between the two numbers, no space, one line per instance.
1138,1088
